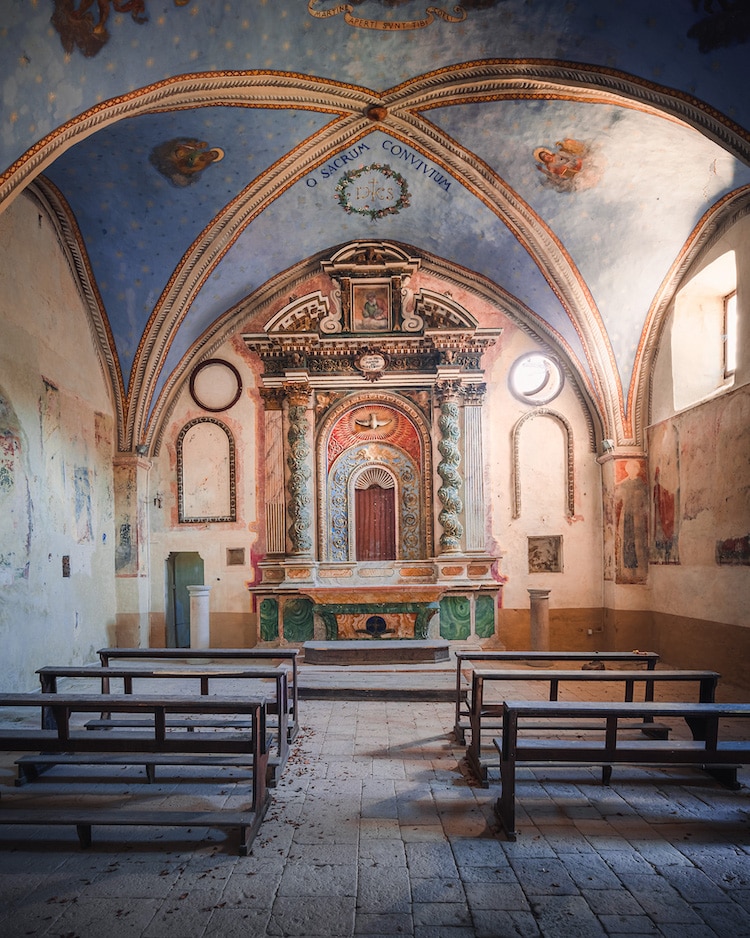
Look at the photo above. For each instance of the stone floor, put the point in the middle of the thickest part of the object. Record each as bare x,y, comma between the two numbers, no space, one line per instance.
376,830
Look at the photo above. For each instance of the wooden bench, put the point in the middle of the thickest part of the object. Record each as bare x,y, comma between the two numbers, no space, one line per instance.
278,704
284,655
68,741
706,750
485,716
509,658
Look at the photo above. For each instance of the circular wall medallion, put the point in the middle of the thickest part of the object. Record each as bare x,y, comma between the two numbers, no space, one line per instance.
215,385
536,378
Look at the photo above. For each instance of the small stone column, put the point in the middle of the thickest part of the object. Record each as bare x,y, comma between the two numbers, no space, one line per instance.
539,620
200,633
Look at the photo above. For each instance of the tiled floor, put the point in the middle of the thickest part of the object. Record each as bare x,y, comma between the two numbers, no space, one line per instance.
376,830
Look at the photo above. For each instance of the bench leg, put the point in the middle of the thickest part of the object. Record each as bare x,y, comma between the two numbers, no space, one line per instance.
725,774
84,835
150,772
505,806
606,774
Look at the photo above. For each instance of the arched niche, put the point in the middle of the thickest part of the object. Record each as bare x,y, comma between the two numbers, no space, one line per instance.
564,423
370,436
206,472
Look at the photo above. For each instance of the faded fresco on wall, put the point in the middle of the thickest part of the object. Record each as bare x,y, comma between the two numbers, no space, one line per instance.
82,505
15,507
665,494
734,551
631,521
545,554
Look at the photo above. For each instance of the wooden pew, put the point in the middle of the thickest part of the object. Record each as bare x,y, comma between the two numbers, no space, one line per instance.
484,715
278,703
288,655
706,750
155,744
509,658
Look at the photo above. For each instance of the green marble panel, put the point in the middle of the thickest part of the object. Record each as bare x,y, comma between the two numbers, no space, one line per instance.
269,620
298,620
484,616
455,618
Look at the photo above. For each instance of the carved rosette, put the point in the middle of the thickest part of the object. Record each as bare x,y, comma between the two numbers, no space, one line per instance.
449,491
300,474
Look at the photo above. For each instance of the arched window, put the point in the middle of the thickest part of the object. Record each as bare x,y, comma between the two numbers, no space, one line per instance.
704,335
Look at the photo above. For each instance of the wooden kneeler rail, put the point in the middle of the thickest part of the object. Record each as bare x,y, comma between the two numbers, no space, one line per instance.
247,748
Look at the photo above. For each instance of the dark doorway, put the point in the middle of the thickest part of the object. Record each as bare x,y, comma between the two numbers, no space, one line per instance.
183,569
375,523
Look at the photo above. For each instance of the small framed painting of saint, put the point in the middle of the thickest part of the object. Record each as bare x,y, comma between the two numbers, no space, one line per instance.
371,307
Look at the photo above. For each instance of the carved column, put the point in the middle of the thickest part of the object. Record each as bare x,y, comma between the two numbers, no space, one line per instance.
299,482
274,471
473,395
449,492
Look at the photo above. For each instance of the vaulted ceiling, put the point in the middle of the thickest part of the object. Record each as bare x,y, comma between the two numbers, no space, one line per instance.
571,160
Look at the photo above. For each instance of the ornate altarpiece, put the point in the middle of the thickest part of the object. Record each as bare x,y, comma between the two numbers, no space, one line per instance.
373,455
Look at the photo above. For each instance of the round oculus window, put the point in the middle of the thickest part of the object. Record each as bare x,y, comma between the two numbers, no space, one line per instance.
215,385
536,378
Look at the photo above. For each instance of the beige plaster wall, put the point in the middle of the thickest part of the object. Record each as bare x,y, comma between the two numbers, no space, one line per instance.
232,619
576,592
57,428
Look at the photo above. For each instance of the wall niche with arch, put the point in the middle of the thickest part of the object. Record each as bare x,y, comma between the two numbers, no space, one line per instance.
206,485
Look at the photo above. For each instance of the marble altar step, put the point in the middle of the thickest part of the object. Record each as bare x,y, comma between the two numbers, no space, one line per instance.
376,651
417,682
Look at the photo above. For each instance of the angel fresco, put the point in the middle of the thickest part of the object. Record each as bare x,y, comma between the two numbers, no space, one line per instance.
560,166
183,159
78,27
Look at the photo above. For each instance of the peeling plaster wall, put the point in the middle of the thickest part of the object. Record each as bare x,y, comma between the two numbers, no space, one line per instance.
56,434
710,444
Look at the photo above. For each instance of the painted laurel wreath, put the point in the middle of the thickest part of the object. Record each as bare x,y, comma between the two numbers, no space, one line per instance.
342,191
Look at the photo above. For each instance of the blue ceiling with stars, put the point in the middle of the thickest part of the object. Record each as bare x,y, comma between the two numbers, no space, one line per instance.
565,153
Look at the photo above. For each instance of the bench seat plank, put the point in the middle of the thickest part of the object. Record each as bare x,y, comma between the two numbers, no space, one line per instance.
245,823
30,767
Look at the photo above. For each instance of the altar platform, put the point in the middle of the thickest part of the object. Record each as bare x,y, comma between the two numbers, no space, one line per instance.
376,651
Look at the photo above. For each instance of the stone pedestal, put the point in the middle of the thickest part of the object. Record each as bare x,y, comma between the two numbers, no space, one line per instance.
200,633
539,619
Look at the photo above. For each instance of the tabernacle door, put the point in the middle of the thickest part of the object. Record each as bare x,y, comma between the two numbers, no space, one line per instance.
375,523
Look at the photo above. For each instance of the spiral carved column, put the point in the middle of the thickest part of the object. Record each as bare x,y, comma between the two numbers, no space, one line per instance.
449,492
299,484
